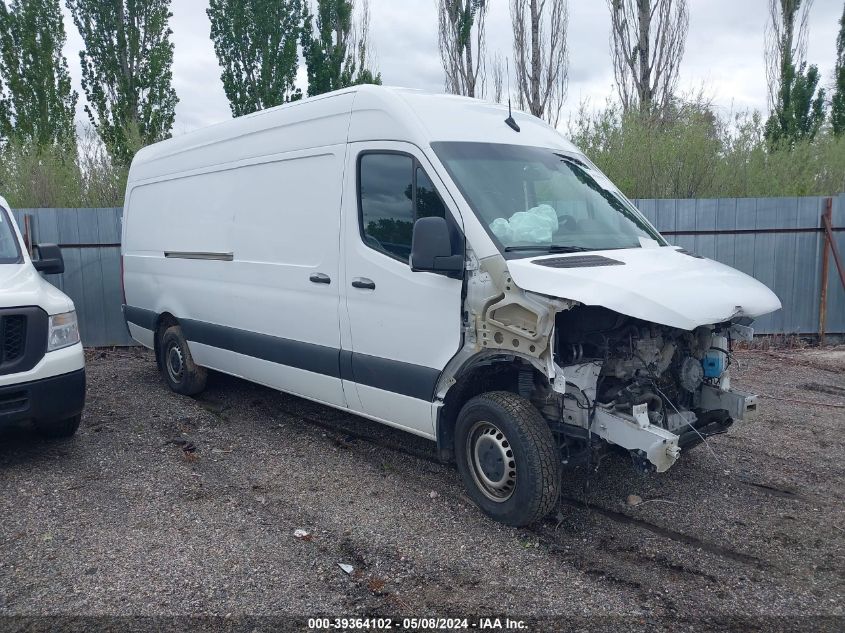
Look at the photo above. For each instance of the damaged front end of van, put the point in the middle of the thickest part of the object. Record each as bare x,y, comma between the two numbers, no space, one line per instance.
616,337
653,383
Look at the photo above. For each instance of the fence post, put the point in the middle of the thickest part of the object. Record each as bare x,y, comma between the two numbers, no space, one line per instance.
828,231
827,214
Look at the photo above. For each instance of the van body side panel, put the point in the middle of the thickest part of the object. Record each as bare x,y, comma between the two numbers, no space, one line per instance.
183,214
285,239
297,126
273,226
318,387
145,336
405,412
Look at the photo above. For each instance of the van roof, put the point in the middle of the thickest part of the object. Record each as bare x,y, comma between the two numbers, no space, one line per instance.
359,113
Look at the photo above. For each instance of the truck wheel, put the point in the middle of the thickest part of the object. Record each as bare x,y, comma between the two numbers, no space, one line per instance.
59,429
180,371
508,458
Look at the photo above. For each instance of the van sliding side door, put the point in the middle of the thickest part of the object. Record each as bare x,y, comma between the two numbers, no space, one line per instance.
401,328
282,289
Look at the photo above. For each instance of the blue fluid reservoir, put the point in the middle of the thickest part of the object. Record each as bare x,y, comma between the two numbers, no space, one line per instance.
715,361
714,364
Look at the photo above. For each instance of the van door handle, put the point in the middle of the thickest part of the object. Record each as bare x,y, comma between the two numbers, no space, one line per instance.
363,283
320,278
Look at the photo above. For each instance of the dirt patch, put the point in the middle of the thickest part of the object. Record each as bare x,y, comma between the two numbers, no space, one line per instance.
165,505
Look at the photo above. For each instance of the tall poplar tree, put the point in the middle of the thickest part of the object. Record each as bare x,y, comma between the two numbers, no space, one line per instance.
540,56
648,38
798,104
256,44
800,110
335,48
127,71
837,105
461,38
5,106
38,106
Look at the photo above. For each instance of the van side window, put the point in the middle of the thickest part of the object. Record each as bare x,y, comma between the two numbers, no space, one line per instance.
394,192
429,203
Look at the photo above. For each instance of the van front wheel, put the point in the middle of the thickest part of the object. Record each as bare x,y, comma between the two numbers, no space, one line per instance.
177,365
508,458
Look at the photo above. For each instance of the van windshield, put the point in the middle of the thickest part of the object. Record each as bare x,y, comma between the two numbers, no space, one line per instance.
533,199
10,252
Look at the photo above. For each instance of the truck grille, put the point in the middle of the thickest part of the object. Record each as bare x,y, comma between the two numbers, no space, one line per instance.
13,336
23,338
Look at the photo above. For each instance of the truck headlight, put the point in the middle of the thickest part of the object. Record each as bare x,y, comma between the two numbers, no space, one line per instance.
64,331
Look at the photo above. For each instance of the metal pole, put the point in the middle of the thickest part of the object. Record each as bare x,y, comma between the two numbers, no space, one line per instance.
834,249
827,214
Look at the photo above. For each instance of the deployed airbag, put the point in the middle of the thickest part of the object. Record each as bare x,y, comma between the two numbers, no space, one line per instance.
535,226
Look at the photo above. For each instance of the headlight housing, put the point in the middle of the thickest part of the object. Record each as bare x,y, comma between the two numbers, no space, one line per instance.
63,332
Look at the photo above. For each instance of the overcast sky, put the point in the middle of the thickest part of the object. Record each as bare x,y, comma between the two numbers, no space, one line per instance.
724,52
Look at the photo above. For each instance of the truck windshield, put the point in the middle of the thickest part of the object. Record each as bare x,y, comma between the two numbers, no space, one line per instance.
10,252
533,199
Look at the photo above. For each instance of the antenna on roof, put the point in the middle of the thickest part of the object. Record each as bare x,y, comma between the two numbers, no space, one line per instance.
510,120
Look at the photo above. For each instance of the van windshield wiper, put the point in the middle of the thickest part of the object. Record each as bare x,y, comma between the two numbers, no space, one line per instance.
549,248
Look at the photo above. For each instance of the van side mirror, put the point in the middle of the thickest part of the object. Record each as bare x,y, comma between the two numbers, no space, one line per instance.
431,248
50,260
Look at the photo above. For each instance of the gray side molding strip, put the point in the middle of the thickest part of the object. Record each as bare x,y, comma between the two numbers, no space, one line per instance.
414,381
222,257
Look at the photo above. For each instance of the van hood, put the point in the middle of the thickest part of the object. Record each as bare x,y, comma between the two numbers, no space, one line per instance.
664,285
21,285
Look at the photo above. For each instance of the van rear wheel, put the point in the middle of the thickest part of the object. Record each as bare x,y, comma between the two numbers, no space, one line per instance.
508,458
177,365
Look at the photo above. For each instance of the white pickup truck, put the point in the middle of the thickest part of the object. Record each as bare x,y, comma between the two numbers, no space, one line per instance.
42,365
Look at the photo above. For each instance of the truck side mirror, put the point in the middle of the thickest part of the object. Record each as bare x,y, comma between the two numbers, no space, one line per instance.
50,260
431,248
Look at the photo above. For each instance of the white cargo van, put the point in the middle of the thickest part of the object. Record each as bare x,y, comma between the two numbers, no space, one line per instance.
42,365
416,259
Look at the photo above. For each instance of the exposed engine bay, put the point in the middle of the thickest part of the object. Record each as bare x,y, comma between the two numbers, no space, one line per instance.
671,383
602,378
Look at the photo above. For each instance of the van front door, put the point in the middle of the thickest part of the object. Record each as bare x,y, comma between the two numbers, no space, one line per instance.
402,327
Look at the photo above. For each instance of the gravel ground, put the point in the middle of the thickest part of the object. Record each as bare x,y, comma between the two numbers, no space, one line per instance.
123,521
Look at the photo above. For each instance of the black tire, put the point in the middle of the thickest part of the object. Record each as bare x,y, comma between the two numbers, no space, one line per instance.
508,458
59,429
178,368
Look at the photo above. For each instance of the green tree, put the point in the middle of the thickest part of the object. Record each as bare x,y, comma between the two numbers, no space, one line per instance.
648,38
461,37
800,109
797,103
127,71
39,105
5,108
696,152
335,51
256,44
837,106
7,123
